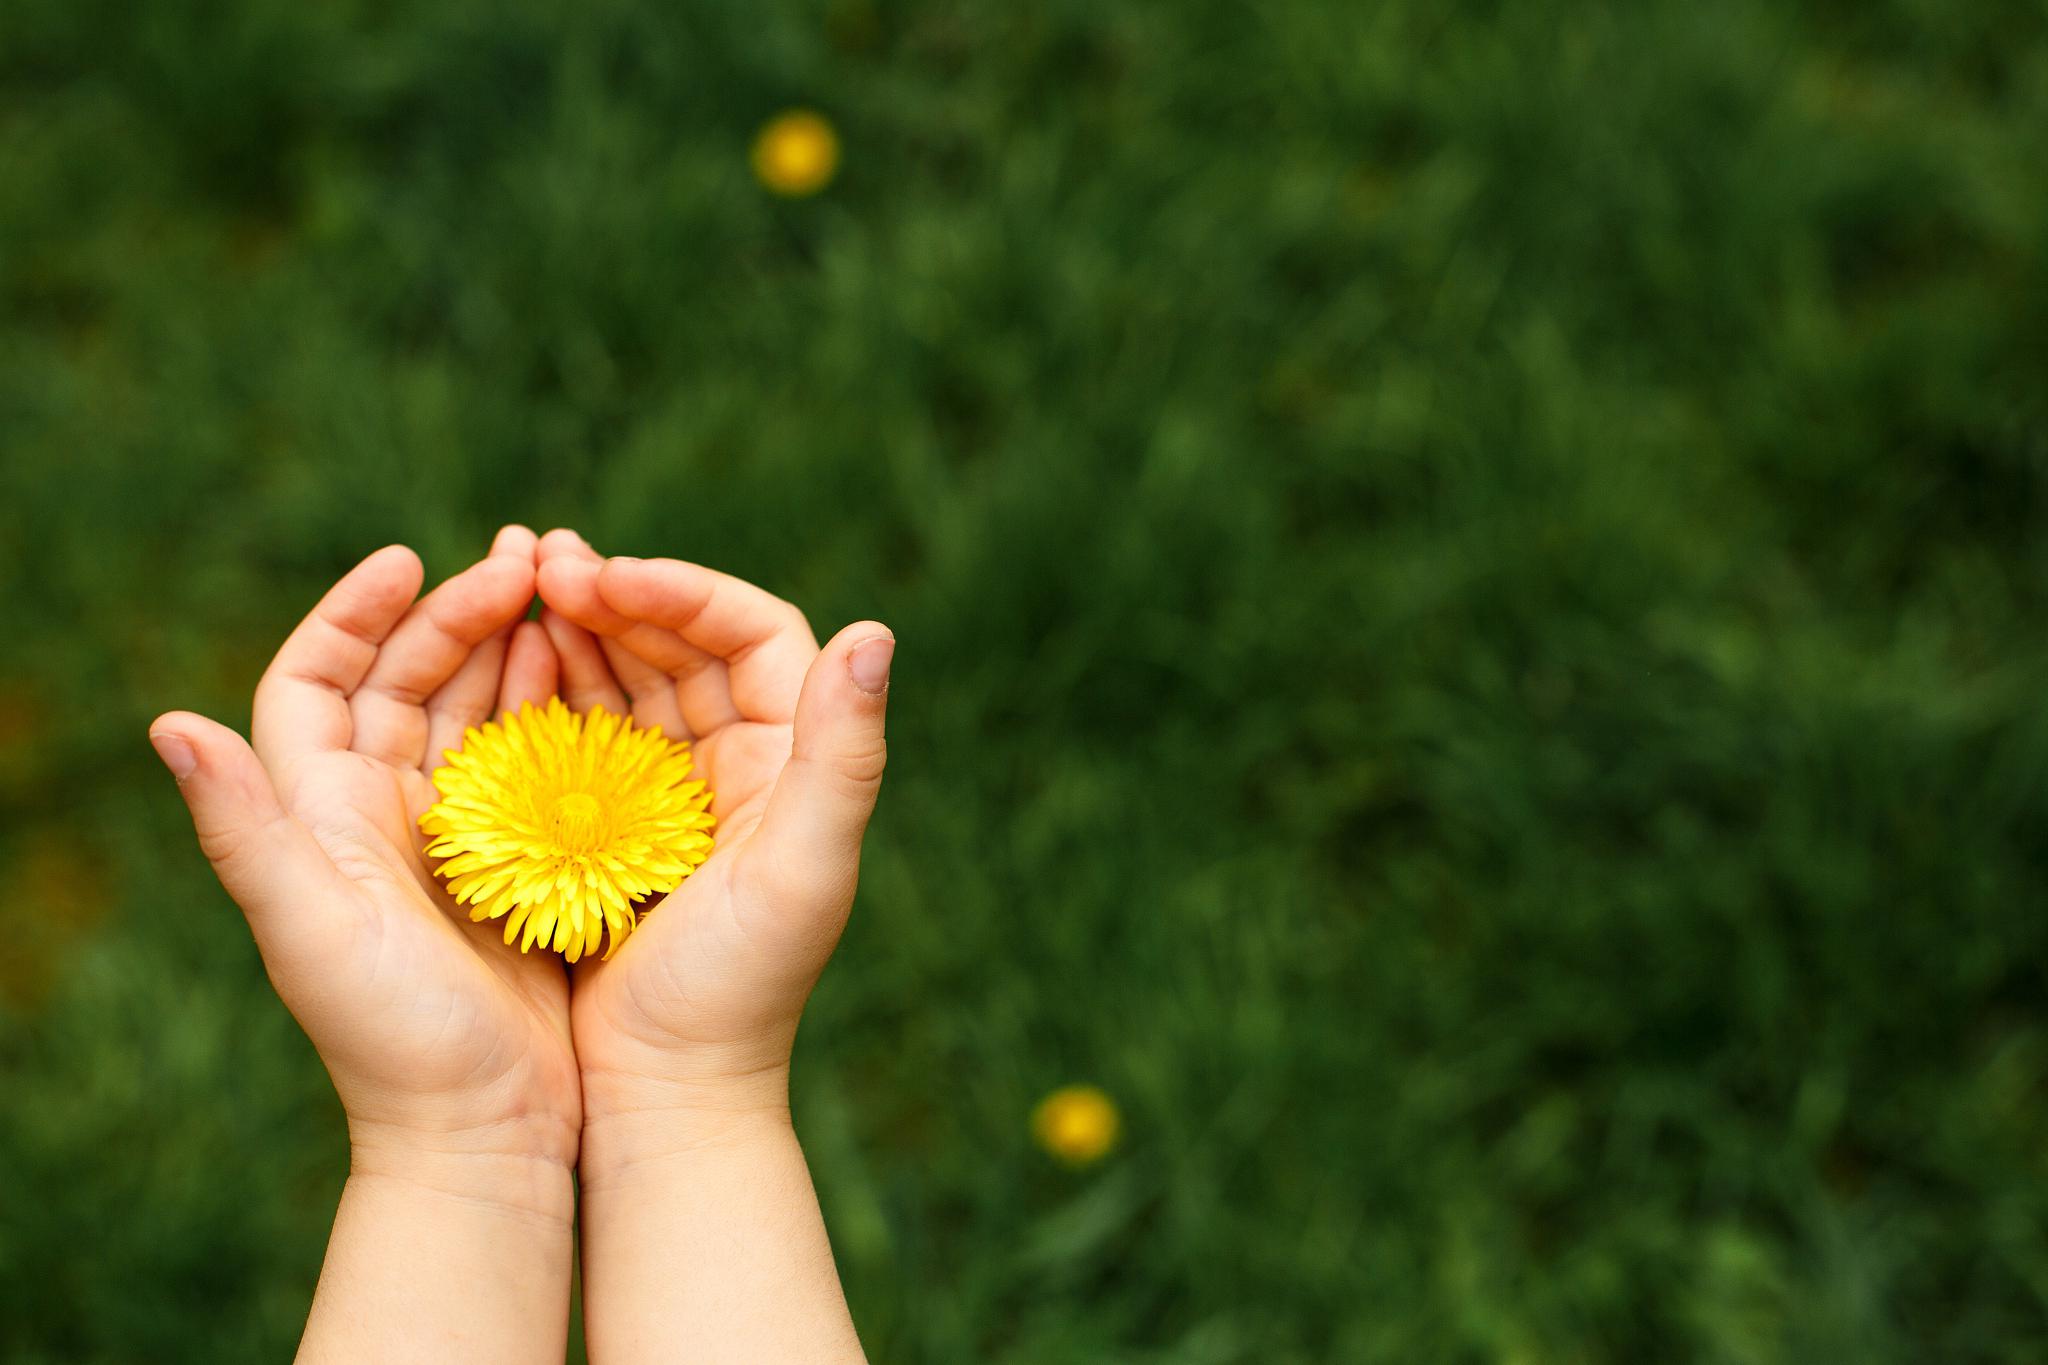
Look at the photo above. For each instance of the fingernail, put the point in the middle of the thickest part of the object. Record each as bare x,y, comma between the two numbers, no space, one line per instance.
177,754
869,664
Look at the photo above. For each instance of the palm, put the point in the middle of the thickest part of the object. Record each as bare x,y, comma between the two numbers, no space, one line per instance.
683,973
455,1003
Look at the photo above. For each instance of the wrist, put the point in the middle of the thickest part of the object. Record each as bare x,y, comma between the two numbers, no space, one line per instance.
517,1168
637,1124
464,1123
622,1075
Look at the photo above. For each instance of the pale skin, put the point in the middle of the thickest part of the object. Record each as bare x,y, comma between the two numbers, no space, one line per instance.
476,1078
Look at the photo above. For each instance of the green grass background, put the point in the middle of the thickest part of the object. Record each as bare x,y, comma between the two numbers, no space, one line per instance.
1471,585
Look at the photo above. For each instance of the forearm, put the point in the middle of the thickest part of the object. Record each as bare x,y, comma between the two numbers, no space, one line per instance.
446,1257
702,1241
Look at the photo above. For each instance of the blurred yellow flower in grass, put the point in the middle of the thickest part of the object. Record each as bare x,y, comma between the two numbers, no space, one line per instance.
1076,1123
562,824
796,153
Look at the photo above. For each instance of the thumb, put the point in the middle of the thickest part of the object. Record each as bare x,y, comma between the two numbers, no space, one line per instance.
267,861
809,837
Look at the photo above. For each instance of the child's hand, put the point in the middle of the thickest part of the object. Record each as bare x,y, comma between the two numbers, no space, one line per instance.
696,1013
445,1044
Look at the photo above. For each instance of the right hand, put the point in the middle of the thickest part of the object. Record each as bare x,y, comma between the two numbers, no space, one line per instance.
698,1009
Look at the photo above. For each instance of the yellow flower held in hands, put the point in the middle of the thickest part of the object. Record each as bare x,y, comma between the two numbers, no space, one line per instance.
796,153
1076,1123
565,825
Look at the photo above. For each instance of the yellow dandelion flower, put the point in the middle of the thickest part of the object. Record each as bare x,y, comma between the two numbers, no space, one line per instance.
1076,1123
565,825
796,153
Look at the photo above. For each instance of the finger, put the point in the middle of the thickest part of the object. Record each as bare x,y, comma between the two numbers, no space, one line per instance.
586,679
764,642
563,541
474,694
274,869
424,651
531,669
654,697
806,852
465,699
670,685
516,541
667,679
302,701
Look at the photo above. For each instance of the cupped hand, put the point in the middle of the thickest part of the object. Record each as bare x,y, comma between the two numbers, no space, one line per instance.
434,1031
700,1003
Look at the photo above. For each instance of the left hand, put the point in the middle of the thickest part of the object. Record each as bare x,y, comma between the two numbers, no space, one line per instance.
443,1043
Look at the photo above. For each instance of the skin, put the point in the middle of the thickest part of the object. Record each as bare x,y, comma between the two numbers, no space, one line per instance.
450,1051
702,1238
474,1077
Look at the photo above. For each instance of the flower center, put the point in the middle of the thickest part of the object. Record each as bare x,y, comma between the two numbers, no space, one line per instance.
576,823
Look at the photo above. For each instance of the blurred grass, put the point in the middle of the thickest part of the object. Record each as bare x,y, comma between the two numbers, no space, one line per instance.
1470,578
